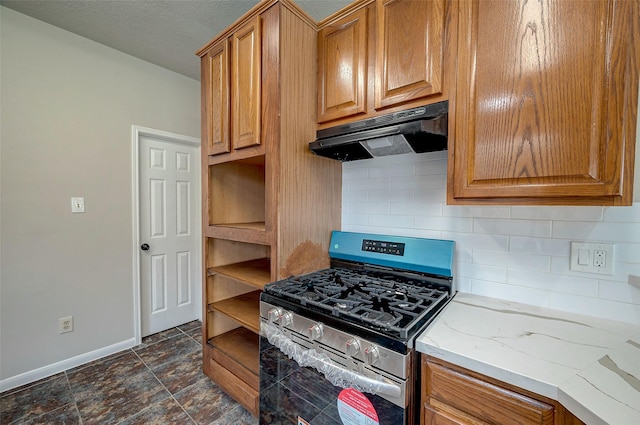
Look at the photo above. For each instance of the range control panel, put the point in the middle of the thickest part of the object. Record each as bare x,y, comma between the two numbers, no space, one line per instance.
382,247
433,256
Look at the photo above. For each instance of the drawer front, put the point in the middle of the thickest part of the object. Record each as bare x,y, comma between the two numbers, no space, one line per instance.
236,388
468,397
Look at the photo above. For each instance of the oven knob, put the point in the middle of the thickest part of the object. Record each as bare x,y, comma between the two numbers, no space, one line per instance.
315,332
371,355
353,347
286,318
274,314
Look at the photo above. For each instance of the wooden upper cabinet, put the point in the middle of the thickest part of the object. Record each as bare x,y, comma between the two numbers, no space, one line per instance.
382,56
342,67
231,90
409,50
246,77
215,72
546,102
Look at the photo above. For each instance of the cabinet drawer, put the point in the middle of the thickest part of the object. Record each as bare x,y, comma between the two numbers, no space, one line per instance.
236,387
456,395
434,417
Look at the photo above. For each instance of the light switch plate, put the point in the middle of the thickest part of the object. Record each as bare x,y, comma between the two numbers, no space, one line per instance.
592,257
77,205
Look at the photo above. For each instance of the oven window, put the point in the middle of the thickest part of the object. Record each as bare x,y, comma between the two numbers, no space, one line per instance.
289,392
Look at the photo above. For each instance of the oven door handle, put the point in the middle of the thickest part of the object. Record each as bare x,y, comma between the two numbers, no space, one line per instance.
335,374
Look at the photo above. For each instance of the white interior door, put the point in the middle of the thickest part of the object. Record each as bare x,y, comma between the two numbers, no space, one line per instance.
169,233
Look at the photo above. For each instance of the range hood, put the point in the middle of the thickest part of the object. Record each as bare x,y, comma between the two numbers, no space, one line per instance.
417,130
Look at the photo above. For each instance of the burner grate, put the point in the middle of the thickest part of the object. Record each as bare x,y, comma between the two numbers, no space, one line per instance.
376,299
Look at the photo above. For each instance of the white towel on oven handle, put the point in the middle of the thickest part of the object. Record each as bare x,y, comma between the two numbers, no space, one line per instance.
335,374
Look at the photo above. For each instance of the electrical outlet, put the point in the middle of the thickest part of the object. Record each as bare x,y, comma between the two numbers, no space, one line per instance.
592,257
65,324
599,258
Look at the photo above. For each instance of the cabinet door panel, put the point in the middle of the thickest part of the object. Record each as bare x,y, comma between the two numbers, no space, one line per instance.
433,417
409,50
342,73
246,76
216,96
545,96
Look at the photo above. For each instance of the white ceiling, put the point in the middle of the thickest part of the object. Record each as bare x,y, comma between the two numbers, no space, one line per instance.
164,32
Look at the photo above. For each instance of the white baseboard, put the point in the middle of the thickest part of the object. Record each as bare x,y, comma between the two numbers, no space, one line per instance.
52,369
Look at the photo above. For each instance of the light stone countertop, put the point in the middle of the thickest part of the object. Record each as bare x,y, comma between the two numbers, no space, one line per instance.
590,365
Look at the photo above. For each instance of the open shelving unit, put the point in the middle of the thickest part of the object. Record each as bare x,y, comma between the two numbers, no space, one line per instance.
269,204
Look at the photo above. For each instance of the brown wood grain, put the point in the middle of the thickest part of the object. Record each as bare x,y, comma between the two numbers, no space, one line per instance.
409,51
234,350
546,103
246,84
308,193
342,67
455,395
241,391
266,203
236,192
242,308
216,99
253,272
410,59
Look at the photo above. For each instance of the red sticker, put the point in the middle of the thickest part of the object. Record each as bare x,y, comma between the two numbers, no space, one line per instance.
356,409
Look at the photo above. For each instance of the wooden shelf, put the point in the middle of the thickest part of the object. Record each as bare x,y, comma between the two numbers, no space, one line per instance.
237,350
244,309
254,272
254,155
254,232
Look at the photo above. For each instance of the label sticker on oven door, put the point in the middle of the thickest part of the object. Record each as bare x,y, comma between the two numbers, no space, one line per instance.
356,409
302,421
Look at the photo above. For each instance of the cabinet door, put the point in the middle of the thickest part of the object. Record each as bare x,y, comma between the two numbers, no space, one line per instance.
215,83
409,50
246,88
342,67
546,102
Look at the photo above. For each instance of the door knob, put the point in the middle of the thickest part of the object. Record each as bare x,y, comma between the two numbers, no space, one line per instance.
144,247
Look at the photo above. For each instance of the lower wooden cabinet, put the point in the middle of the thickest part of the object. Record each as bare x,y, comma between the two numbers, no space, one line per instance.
452,395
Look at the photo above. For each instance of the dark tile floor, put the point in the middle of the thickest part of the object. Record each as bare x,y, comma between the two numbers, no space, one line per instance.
158,382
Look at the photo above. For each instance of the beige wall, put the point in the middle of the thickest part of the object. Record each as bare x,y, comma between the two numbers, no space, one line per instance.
68,105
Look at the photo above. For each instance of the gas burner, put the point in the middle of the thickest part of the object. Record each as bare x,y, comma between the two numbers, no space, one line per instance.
343,304
381,317
311,296
335,278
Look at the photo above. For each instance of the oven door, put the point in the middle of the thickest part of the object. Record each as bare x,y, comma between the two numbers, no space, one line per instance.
307,387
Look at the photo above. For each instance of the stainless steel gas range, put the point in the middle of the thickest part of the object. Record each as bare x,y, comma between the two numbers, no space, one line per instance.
337,345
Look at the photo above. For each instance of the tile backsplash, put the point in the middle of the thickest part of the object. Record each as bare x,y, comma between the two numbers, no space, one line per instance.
516,253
